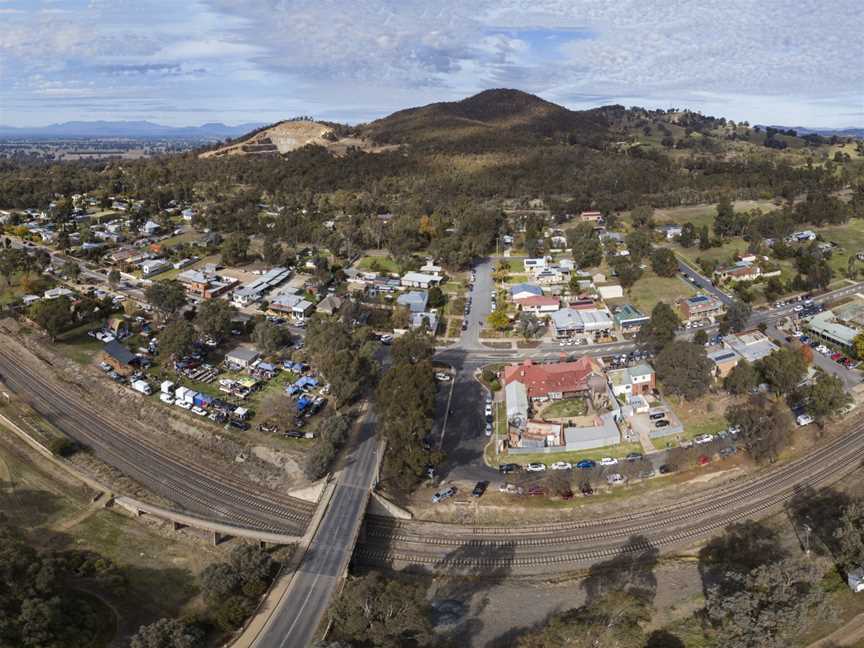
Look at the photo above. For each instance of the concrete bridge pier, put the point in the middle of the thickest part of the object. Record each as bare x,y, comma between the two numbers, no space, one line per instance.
216,537
177,526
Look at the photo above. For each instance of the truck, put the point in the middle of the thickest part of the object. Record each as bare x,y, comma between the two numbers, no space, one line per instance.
142,386
167,387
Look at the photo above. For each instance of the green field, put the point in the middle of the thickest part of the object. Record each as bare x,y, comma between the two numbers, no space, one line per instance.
700,215
850,238
384,264
651,289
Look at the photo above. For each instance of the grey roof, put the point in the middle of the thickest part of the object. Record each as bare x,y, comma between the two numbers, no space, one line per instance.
242,354
824,324
517,400
119,352
592,319
415,300
526,287
641,370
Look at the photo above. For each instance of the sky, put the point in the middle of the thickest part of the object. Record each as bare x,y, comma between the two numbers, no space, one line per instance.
187,62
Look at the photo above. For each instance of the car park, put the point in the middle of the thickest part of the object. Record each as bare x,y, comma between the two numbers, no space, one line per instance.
561,465
586,463
608,461
479,488
535,467
443,494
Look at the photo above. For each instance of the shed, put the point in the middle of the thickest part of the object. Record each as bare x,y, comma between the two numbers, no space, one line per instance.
121,359
242,356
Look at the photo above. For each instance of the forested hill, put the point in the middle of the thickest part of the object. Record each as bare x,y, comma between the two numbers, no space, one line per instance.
445,160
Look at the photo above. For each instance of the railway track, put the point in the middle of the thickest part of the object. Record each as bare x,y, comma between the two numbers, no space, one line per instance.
192,486
445,547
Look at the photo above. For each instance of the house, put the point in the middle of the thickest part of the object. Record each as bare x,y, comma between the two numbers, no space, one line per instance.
701,307
538,304
591,217
204,284
60,291
741,271
549,276
154,266
430,268
671,231
631,381
522,290
330,305
419,280
629,319
724,361
428,320
294,305
242,357
553,381
570,321
150,228
121,359
610,290
415,300
536,265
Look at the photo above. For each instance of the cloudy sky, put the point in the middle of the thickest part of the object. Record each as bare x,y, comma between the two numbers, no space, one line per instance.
185,62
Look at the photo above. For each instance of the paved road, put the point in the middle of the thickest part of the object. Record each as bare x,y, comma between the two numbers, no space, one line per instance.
703,282
300,611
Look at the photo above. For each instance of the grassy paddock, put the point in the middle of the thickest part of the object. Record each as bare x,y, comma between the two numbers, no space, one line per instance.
651,289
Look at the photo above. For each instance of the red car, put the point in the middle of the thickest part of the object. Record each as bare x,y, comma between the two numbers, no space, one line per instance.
704,460
836,356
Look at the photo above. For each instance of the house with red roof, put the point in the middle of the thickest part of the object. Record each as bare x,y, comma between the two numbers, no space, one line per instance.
538,304
558,380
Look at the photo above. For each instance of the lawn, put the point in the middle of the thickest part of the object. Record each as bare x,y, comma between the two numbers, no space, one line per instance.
722,254
651,289
566,408
850,238
702,416
701,215
381,263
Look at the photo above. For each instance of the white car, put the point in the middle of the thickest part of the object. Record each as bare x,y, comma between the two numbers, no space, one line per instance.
442,377
198,411
183,405
488,429
704,438
804,419
104,366
386,339
562,465
536,467
488,410
608,461
168,399
685,444
614,479
734,430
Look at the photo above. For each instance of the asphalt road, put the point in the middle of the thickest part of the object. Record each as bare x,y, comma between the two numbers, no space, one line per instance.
298,614
703,282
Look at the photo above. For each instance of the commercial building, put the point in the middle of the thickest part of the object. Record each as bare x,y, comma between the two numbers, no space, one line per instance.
205,285
700,307
826,327
629,319
570,321
555,381
254,291
751,346
538,304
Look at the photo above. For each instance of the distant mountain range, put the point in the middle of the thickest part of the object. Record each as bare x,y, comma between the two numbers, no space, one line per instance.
840,132
133,129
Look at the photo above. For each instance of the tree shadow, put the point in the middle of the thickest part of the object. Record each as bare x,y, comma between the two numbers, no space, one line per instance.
815,515
663,639
475,569
28,507
743,547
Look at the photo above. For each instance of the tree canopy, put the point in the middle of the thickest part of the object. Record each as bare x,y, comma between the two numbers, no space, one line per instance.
684,369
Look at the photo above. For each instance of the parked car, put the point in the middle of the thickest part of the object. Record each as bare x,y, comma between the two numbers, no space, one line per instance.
704,438
704,460
386,339
665,469
657,415
634,456
479,488
506,468
168,399
662,424
104,366
586,489
536,491
441,495
615,478
561,465
510,489
488,410
442,377
240,425
586,463
536,467
488,429
183,405
685,444
608,461
728,451
804,419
